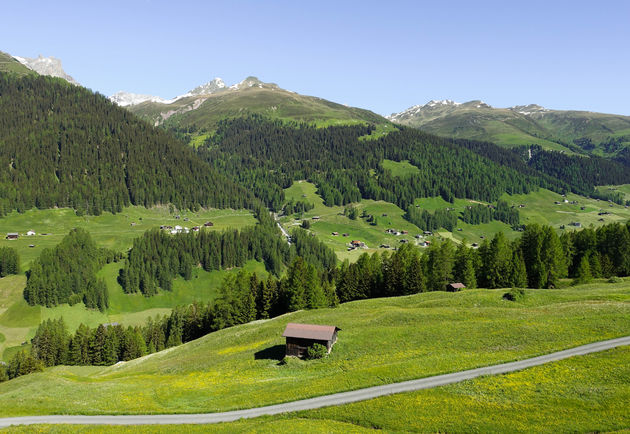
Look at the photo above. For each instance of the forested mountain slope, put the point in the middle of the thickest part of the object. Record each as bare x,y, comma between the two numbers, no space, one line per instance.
65,146
267,155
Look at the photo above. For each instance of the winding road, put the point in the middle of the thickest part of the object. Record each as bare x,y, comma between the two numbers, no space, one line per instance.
320,401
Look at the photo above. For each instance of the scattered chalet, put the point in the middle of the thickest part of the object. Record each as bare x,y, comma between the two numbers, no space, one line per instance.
454,287
302,336
12,236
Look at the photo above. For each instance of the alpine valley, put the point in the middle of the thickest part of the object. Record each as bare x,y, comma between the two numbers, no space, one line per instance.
156,248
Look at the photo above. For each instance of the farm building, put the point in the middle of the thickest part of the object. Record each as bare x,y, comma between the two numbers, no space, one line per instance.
12,236
454,287
299,337
30,233
208,224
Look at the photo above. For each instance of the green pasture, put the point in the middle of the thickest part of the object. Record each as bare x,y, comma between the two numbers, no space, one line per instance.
382,341
114,231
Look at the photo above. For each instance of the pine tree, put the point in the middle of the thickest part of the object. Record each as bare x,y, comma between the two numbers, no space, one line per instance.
583,274
464,269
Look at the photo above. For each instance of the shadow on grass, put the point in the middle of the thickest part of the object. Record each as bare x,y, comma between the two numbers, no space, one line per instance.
272,353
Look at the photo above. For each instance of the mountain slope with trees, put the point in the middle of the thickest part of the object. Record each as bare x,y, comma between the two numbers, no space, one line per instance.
65,146
268,155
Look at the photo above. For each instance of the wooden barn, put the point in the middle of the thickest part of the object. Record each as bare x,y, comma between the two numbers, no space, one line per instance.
454,287
302,336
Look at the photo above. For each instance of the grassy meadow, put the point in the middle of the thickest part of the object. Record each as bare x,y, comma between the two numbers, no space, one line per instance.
539,208
382,341
331,219
114,231
589,394
623,189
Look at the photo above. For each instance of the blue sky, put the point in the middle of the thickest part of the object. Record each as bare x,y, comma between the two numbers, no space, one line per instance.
384,56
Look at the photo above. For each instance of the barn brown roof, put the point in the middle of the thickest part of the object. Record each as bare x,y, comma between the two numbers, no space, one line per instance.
310,331
457,285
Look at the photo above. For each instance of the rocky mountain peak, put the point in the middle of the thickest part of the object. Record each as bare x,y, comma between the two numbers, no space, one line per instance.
46,66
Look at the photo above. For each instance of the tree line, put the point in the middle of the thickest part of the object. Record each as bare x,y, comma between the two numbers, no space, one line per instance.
538,259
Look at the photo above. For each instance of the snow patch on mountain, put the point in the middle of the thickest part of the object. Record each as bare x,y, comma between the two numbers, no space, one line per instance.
217,85
46,66
418,109
124,99
194,106
529,109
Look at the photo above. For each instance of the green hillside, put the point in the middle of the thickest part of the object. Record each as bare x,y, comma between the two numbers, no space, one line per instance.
539,207
589,393
205,111
65,146
9,64
382,341
561,130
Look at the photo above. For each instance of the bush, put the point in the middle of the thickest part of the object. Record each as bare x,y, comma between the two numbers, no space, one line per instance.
615,279
306,224
514,294
317,351
3,373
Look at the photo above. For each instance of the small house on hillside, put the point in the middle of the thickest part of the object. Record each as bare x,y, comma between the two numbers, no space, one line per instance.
208,224
300,337
30,233
13,236
454,287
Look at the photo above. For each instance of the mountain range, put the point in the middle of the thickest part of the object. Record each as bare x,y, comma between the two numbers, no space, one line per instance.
201,108
563,130
204,106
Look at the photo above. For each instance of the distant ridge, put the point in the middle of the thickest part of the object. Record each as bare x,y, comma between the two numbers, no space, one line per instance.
209,103
570,131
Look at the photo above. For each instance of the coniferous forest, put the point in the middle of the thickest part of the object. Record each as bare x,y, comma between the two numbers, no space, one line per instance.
63,145
268,155
67,273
